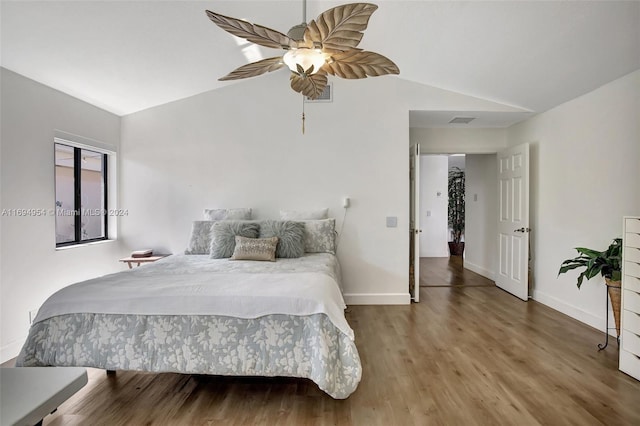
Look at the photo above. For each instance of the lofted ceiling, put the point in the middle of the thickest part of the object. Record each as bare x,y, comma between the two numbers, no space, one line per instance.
125,56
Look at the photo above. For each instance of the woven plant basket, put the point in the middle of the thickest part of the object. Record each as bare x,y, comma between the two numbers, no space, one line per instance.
615,296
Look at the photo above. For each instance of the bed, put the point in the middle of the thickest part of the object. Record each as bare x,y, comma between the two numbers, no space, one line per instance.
196,315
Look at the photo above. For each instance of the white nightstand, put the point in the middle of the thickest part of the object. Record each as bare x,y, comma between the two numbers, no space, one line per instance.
29,394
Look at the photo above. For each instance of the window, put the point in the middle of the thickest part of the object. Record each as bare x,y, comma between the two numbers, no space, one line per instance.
81,195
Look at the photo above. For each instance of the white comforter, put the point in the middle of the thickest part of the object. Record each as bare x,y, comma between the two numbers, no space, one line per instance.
197,285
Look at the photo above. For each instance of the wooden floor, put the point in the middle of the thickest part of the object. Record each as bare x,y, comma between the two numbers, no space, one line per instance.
462,356
448,272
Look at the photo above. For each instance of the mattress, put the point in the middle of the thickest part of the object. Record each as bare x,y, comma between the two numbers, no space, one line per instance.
196,315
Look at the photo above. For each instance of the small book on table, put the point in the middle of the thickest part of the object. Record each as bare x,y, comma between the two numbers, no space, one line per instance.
142,253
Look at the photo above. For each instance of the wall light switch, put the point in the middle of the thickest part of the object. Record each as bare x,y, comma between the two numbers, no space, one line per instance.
475,197
346,202
428,213
392,221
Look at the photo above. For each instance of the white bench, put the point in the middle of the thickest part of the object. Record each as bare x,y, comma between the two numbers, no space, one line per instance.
28,394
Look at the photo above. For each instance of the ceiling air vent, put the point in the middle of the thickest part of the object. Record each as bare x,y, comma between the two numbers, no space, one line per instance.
461,120
326,96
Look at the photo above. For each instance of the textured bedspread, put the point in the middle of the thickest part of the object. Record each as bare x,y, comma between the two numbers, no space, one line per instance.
308,339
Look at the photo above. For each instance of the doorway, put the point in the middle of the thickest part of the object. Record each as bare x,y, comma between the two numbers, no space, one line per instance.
476,268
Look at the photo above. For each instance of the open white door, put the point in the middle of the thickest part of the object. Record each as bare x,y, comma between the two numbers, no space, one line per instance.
414,222
513,221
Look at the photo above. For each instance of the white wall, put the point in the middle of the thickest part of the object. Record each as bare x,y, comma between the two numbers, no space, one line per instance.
32,269
241,146
585,174
459,140
433,207
481,212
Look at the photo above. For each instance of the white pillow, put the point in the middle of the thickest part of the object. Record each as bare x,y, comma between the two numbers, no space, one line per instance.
304,214
200,237
320,236
227,214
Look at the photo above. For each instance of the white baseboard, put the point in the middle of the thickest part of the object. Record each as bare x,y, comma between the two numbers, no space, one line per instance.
10,351
588,318
479,270
377,298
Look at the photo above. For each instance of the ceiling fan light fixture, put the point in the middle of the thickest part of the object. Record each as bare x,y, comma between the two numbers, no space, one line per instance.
305,58
327,45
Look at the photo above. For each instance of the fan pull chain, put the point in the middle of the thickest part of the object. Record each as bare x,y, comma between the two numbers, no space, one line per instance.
303,114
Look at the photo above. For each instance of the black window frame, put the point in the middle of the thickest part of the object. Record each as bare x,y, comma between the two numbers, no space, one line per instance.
77,192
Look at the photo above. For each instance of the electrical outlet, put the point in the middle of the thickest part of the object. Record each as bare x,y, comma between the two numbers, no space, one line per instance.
32,315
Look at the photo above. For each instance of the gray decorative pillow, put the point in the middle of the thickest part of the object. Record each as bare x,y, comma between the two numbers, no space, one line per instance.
304,214
320,236
255,248
227,214
200,238
223,236
290,236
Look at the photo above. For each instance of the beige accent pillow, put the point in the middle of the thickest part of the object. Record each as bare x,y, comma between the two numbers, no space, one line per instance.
255,248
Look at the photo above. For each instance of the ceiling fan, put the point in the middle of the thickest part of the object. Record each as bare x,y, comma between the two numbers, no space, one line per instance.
326,45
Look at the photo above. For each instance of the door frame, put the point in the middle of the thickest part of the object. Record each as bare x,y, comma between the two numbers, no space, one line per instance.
414,222
468,152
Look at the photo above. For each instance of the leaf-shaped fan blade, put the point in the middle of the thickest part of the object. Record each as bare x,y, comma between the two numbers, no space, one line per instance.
254,33
359,64
310,86
255,68
340,29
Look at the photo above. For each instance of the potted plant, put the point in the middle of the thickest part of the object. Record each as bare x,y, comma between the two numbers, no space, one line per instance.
606,263
456,210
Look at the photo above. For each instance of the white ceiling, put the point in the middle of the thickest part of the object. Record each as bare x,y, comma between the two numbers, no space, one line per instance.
128,56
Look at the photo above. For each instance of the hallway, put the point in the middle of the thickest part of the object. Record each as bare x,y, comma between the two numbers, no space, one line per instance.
449,272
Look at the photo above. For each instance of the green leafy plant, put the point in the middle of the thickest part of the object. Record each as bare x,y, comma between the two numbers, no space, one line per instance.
606,263
456,202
